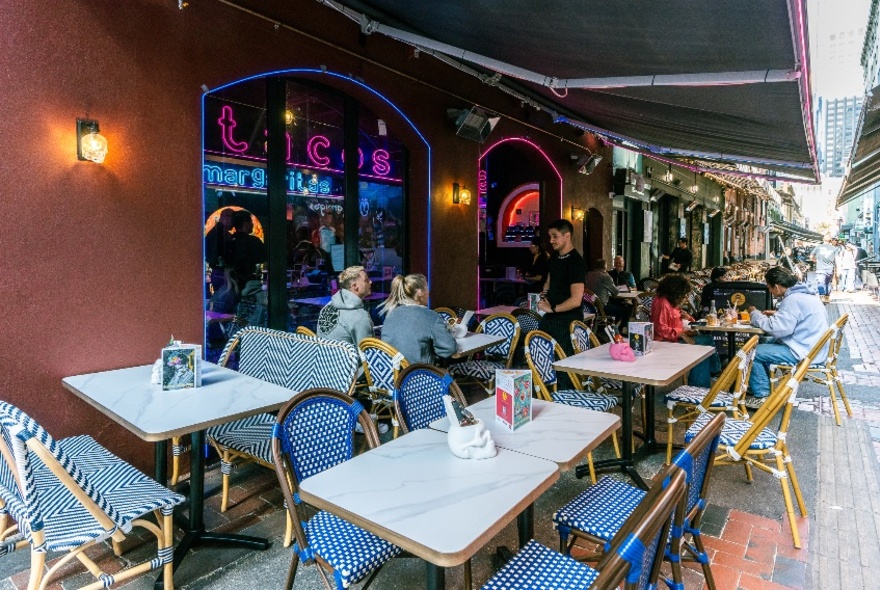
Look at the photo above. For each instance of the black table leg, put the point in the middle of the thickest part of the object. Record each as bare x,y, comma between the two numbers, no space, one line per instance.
436,576
525,525
626,463
196,534
160,452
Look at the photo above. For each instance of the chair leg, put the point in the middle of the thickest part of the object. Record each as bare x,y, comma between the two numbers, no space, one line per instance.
670,426
226,470
38,564
616,448
795,485
830,383
291,572
836,378
703,559
468,579
789,506
175,459
288,531
168,568
591,467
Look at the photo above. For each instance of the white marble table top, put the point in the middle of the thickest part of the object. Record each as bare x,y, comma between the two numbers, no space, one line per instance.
739,327
557,432
496,309
128,397
473,342
667,362
414,492
627,295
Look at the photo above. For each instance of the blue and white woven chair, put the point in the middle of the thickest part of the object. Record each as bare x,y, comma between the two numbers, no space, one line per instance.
500,356
71,495
541,352
753,442
382,364
289,360
633,557
725,395
418,396
448,314
598,513
314,432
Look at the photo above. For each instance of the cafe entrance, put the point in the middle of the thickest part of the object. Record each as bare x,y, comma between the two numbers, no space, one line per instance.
300,181
518,184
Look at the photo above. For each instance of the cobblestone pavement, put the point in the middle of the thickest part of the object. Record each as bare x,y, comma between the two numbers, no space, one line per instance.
748,551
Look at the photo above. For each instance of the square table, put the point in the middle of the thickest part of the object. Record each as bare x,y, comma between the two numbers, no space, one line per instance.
154,415
475,342
557,432
665,364
413,492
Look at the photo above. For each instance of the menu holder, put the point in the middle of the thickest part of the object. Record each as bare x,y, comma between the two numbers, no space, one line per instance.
513,398
181,366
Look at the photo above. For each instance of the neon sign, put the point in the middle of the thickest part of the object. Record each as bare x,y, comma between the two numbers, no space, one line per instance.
245,177
319,149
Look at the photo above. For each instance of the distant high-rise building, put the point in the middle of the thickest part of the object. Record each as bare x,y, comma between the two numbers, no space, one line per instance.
838,121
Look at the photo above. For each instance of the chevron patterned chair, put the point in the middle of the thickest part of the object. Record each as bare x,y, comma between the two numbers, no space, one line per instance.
825,373
598,513
541,352
726,394
418,395
752,442
382,364
447,314
71,495
633,558
482,371
289,360
312,433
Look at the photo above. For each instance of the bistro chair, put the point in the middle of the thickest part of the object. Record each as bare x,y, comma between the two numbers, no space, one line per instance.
303,331
598,513
649,284
447,314
725,395
418,396
592,304
752,442
289,360
382,364
541,352
482,371
825,373
71,495
633,558
314,432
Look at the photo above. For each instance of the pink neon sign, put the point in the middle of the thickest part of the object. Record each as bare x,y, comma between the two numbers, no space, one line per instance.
318,147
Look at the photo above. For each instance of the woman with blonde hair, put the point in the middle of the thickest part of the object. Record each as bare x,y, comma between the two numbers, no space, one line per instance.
418,333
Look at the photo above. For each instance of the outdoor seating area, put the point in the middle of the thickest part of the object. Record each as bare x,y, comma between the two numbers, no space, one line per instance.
314,450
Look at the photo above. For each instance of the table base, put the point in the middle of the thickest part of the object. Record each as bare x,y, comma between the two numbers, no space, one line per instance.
196,535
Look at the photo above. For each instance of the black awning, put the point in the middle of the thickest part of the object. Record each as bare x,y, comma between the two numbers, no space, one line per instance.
863,173
787,229
721,81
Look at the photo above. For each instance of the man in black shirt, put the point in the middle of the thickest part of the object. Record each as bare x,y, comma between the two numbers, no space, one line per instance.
564,289
681,259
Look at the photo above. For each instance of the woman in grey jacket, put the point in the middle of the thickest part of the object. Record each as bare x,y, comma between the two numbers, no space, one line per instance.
418,333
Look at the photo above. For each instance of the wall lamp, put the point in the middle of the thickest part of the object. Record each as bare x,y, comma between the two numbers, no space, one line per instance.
691,206
460,195
714,212
577,213
90,145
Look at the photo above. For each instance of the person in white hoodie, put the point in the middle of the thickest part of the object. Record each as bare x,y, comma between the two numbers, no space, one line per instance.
796,325
345,317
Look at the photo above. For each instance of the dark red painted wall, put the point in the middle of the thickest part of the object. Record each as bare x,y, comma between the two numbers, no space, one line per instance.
102,263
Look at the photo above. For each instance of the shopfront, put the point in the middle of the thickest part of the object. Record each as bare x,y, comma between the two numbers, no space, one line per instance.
330,214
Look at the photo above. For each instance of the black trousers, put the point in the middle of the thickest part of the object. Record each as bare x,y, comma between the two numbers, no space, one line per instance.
557,325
